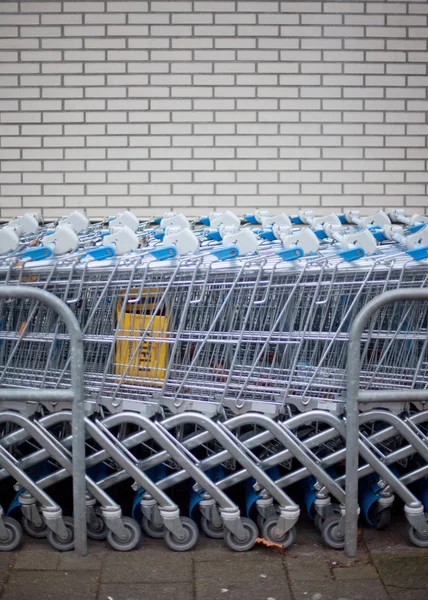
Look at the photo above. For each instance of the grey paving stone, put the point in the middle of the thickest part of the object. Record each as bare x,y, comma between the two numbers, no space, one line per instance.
355,572
70,561
339,590
406,572
236,579
214,550
368,589
32,559
45,585
307,568
144,566
146,591
314,590
393,540
6,561
400,594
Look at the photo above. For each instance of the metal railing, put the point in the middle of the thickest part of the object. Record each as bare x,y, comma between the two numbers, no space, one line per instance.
74,394
355,396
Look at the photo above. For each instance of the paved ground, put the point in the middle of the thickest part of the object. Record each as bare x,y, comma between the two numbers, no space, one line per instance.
386,568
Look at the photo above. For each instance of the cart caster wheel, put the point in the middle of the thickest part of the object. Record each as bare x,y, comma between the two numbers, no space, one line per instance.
380,520
285,539
152,530
417,539
38,532
63,545
318,519
211,531
260,523
132,539
14,535
189,540
331,535
97,529
250,539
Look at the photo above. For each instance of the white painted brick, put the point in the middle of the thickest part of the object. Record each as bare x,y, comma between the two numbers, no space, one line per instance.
281,43
125,55
83,6
194,140
405,92
384,177
343,153
19,43
43,178
190,19
318,19
384,104
127,177
10,7
84,129
104,43
222,177
364,44
265,6
258,55
126,6
11,178
173,104
106,117
418,9
320,43
345,7
240,188
154,189
341,177
40,56
323,140
189,43
42,153
64,141
323,67
237,19
389,56
405,141
85,55
8,80
234,42
128,104
20,190
321,92
19,92
407,117
105,67
34,80
63,117
384,32
216,104
62,68
127,128
234,67
41,105
10,56
97,19
39,31
217,6
300,31
63,165
176,6
364,68
84,30
388,7
20,117
84,104
125,30
180,68
235,92
66,19
7,32
19,68
42,129
85,177
405,188
127,153
257,152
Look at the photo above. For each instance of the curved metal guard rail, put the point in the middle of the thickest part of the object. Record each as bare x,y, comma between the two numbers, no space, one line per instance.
355,395
75,395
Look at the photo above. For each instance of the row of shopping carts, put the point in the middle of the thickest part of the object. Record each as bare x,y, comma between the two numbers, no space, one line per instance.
215,362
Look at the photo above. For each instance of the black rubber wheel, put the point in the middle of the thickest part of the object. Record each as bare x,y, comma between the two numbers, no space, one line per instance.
417,539
236,545
381,519
14,535
331,535
190,539
211,531
96,528
318,520
152,530
270,533
63,545
131,541
34,531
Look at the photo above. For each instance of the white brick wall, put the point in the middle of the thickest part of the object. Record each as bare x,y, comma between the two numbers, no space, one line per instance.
158,104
